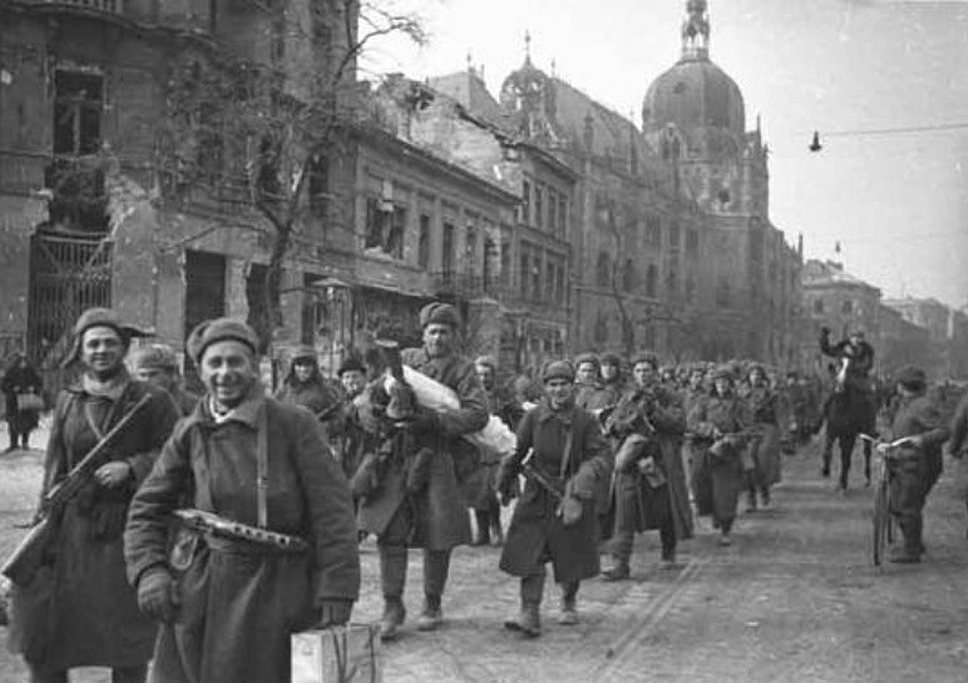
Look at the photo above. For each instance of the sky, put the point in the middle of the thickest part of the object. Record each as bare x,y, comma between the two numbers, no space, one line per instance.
896,202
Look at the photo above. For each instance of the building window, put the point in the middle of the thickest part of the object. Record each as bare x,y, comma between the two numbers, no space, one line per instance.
385,227
628,276
470,250
552,210
447,249
603,272
601,328
690,289
818,307
538,206
536,291
847,308
78,102
525,274
505,260
319,186
551,275
423,244
653,231
526,202
560,290
562,214
674,235
672,282
692,243
651,281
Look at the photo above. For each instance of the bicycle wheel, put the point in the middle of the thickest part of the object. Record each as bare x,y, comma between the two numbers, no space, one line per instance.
882,534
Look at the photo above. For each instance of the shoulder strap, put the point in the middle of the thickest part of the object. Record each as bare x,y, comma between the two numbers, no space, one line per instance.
262,467
566,456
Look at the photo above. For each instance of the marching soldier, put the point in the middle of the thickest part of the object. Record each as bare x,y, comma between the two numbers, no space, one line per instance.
304,384
286,559
765,446
158,364
650,485
93,617
918,463
611,377
564,457
718,428
405,509
20,378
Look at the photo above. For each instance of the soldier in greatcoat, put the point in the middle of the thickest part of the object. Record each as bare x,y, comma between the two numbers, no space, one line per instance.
916,465
428,513
958,444
92,616
719,430
229,605
555,520
649,489
764,448
157,363
20,378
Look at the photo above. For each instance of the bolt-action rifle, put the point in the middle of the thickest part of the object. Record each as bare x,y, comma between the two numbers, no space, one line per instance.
32,552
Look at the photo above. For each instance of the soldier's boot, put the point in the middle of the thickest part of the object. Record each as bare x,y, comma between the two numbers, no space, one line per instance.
725,529
528,620
393,576
911,528
569,604
38,676
765,499
394,614
751,499
436,567
494,518
483,528
621,544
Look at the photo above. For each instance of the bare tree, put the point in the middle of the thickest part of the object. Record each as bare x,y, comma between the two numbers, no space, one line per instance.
252,134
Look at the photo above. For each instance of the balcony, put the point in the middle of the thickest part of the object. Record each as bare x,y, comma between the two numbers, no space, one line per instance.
468,286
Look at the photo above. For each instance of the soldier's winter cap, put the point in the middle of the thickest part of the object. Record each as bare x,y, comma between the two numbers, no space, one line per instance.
724,372
160,356
351,364
440,314
912,378
486,361
558,369
610,358
304,352
646,357
587,358
97,317
220,329
756,367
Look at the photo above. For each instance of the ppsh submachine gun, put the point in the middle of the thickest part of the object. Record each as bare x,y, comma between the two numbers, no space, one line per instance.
33,551
211,524
541,478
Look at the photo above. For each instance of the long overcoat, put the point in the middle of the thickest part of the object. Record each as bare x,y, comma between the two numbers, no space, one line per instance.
239,603
594,398
441,520
94,618
581,463
19,380
765,448
638,504
717,479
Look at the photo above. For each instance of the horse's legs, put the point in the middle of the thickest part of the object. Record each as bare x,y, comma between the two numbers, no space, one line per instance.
846,442
828,445
867,461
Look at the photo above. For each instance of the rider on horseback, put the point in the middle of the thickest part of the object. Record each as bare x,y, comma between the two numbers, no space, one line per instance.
856,357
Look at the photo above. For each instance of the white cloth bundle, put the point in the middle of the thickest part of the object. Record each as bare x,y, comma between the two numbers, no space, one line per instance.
495,438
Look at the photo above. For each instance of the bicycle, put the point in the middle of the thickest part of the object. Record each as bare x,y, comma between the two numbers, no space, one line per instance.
883,529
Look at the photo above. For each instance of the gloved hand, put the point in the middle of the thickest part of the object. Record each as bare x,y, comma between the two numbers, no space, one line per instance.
333,612
112,474
570,510
504,483
157,595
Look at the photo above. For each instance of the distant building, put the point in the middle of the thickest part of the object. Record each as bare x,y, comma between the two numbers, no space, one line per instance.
946,351
837,300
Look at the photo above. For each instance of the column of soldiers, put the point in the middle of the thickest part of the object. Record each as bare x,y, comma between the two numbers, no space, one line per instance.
215,526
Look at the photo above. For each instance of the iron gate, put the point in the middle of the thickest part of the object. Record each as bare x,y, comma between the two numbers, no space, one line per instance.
67,276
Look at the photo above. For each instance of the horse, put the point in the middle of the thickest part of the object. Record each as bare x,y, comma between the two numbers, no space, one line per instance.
849,412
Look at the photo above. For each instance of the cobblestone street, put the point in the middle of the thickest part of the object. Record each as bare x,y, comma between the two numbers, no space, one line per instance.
794,599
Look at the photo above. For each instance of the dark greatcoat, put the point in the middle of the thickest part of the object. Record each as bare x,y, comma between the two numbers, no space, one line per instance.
479,487
95,620
441,515
638,505
765,449
240,602
717,479
20,380
594,398
536,534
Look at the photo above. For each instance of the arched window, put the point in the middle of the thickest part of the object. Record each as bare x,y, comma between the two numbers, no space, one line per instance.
628,276
651,281
603,273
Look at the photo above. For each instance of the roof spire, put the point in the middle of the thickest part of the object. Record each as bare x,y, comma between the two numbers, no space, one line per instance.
695,31
527,46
